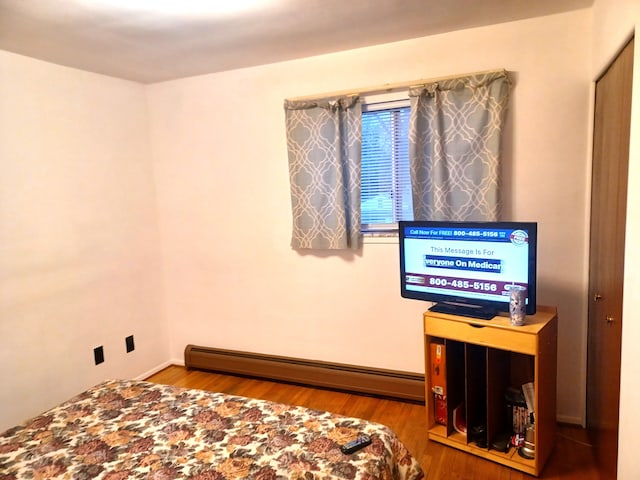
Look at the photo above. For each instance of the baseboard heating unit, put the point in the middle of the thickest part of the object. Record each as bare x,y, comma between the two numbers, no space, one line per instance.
335,376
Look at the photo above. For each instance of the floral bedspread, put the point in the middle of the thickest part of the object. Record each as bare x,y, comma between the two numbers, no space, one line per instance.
129,429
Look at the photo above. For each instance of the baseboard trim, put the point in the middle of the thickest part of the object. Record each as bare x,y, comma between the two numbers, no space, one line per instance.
335,376
154,370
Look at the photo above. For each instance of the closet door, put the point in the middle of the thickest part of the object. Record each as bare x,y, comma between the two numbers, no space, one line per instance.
608,219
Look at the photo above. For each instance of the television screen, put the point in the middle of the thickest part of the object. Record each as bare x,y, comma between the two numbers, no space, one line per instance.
467,268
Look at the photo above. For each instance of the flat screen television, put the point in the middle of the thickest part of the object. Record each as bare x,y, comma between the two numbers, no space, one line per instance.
467,268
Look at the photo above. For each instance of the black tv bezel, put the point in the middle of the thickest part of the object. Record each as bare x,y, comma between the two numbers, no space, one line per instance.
530,227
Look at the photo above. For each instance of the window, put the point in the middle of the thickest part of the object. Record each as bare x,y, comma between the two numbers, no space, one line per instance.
385,181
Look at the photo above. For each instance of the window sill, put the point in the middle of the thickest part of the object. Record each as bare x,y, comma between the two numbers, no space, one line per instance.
391,238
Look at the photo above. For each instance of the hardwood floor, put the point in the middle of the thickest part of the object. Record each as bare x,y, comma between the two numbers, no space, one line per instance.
572,457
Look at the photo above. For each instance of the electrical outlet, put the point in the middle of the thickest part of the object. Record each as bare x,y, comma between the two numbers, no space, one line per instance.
129,342
98,355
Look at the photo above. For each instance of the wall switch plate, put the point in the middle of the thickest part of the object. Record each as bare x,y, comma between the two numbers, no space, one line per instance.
129,342
98,355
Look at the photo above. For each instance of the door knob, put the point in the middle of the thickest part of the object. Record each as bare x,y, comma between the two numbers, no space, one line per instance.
609,319
597,297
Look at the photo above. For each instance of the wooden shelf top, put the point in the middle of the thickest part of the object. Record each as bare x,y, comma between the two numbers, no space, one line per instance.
533,323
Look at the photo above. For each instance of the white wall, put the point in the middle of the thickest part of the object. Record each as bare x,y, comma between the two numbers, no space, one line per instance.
79,261
614,22
219,152
79,245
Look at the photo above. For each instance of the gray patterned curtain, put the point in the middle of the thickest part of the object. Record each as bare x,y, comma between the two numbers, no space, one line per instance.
324,143
454,147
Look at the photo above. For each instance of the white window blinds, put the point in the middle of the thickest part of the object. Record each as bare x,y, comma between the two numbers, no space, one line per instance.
385,181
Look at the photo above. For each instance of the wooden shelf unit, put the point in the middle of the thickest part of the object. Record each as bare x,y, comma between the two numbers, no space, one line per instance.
482,359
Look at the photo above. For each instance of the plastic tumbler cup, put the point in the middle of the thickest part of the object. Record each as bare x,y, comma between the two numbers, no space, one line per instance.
517,304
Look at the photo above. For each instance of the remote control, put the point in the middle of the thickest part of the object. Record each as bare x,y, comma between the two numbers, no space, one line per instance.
355,445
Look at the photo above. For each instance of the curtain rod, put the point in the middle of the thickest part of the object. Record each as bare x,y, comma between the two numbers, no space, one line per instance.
389,87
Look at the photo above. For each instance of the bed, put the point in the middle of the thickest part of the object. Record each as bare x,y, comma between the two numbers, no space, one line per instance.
124,429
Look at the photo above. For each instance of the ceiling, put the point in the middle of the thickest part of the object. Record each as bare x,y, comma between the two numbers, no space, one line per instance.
194,37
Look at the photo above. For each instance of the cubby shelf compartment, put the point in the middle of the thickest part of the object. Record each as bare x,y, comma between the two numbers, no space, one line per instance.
484,358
